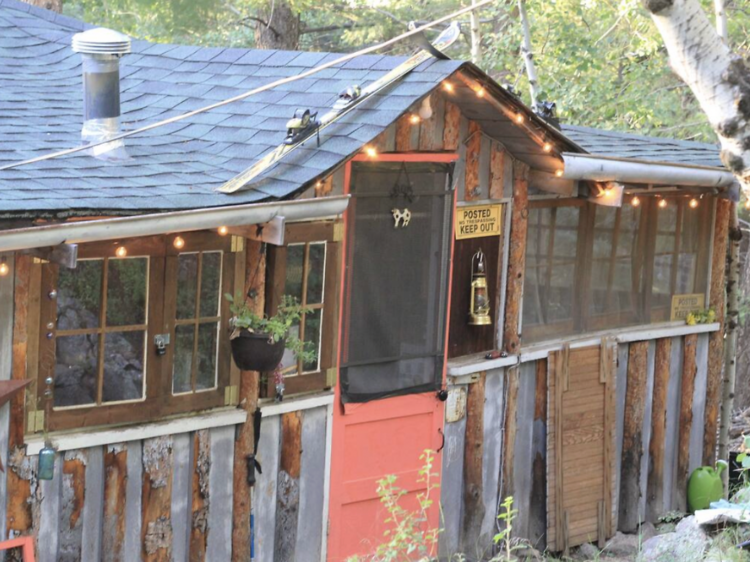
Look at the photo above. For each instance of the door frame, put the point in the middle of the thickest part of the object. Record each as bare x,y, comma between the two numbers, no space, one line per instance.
337,462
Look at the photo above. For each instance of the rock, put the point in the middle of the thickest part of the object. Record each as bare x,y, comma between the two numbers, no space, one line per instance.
586,551
529,554
688,543
623,545
647,531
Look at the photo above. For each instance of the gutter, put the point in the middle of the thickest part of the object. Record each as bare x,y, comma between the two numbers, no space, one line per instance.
603,169
164,223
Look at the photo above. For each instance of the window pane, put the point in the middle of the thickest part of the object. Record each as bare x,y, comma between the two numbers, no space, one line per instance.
295,255
688,256
663,255
207,349
79,295
312,335
77,359
183,359
187,285
316,273
127,280
210,284
288,359
123,366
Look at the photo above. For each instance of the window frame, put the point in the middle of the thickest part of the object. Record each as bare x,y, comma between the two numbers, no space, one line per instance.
158,400
308,233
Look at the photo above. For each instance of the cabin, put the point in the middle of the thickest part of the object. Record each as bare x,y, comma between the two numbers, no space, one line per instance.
527,301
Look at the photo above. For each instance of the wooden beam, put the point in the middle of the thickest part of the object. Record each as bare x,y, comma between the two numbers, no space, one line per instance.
74,495
473,508
452,126
403,133
497,171
244,443
156,530
717,295
632,444
288,489
431,134
517,257
507,486
689,370
115,481
655,502
65,255
271,232
538,504
472,189
200,495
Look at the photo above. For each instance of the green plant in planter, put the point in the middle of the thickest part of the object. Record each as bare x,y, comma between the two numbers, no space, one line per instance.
277,327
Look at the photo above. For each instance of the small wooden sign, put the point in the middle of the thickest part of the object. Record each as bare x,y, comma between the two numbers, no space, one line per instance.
682,305
478,221
455,406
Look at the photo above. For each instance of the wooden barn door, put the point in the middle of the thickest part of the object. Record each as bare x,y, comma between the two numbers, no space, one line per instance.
580,446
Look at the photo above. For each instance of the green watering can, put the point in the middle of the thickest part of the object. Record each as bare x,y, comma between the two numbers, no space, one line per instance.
705,486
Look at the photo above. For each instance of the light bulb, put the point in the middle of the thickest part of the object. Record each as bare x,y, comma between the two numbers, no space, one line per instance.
448,87
223,230
121,251
547,147
371,151
480,92
179,242
414,119
519,118
608,192
747,204
662,203
4,269
635,201
559,173
693,203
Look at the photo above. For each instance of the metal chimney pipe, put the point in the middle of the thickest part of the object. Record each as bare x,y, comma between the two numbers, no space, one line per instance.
101,50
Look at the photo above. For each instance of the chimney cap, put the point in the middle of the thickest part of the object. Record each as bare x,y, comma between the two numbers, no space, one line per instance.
101,41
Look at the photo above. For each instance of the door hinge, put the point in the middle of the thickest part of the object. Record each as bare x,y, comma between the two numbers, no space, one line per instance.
36,421
231,395
331,375
238,244
338,231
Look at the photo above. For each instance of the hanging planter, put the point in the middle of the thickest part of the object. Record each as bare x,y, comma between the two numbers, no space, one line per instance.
258,342
256,352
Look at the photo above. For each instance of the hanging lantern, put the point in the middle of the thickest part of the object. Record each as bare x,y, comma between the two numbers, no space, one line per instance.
479,305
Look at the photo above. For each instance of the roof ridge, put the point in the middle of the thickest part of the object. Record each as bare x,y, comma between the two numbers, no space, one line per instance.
670,140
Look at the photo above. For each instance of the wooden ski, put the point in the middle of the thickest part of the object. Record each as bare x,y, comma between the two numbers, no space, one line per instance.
341,108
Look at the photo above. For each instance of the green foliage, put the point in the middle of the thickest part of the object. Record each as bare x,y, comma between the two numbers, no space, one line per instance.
408,536
707,316
277,327
504,538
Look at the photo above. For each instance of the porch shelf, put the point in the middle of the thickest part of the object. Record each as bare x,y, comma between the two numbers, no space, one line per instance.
295,404
470,364
71,440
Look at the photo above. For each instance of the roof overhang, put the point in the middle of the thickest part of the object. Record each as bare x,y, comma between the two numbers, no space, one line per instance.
164,223
605,169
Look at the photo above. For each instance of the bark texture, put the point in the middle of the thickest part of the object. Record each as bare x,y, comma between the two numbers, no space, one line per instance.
719,79
54,5
277,27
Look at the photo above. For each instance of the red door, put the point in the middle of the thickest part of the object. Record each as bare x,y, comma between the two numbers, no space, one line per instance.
392,350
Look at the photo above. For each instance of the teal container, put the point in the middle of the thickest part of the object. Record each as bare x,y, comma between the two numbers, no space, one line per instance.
705,486
46,463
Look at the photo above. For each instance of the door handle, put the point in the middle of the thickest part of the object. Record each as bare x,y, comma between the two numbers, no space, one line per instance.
161,341
442,444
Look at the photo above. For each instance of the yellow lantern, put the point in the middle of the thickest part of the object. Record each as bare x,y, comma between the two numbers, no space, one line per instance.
479,305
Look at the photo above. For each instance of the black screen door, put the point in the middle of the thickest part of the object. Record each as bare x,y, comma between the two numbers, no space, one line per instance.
396,282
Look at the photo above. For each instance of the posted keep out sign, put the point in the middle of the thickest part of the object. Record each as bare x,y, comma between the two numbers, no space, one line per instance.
478,221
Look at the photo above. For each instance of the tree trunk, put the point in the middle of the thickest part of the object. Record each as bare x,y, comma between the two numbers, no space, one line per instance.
278,27
719,79
528,55
54,5
476,38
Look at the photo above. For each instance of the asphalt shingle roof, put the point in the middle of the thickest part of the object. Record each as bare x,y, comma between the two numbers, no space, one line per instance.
180,165
639,147
177,166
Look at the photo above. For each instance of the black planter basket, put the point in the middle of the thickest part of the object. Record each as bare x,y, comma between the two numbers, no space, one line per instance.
256,352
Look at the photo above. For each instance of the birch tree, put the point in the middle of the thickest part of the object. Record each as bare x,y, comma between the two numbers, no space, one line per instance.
719,79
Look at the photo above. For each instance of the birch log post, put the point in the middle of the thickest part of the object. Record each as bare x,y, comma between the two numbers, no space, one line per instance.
528,53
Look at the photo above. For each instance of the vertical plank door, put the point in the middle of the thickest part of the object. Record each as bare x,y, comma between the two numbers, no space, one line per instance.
580,446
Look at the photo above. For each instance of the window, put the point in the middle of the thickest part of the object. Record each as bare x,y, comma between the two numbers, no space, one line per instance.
100,321
590,267
306,268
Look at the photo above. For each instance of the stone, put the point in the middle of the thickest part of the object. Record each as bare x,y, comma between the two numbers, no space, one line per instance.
687,543
586,551
647,531
623,545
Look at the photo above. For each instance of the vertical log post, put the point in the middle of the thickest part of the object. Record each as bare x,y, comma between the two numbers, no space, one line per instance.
472,189
655,503
538,515
517,259
497,171
452,126
200,495
115,481
509,442
245,441
474,509
689,370
156,530
632,443
288,490
716,339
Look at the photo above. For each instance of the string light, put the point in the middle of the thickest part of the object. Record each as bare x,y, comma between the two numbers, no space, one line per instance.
519,118
559,173
4,269
448,87
747,203
371,151
179,242
547,147
662,203
480,92
414,119
121,251
223,230
608,192
635,201
693,203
